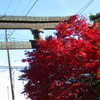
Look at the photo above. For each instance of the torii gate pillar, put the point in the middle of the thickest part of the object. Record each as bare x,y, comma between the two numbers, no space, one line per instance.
38,34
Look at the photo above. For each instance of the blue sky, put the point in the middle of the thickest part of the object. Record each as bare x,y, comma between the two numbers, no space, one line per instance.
42,8
48,8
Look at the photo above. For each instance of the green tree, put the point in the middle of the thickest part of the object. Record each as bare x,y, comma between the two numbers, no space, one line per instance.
95,18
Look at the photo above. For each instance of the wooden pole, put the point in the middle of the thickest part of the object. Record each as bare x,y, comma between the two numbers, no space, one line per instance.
10,69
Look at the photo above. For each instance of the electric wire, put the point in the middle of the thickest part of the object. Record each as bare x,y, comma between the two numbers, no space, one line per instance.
26,7
31,7
11,33
26,14
17,7
13,14
22,37
85,7
8,7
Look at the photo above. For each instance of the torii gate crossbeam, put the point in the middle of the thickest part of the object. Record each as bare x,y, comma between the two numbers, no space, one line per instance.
27,22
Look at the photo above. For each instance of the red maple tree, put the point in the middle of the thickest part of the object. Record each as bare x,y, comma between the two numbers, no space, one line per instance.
67,66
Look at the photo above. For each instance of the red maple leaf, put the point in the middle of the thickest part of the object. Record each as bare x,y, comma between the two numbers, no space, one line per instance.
65,66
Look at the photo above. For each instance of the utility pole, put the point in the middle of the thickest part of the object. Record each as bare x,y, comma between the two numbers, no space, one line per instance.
10,69
8,92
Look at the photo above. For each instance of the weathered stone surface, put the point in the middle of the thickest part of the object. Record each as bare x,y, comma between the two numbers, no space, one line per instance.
27,25
24,22
31,18
15,45
27,22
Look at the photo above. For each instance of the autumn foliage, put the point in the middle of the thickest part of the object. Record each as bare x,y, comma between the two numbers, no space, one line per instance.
67,66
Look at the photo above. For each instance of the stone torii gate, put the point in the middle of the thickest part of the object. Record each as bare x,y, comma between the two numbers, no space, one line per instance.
35,24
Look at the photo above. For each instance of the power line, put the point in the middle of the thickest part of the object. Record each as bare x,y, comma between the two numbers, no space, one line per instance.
26,14
85,7
26,6
17,7
31,7
13,14
8,7
11,33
